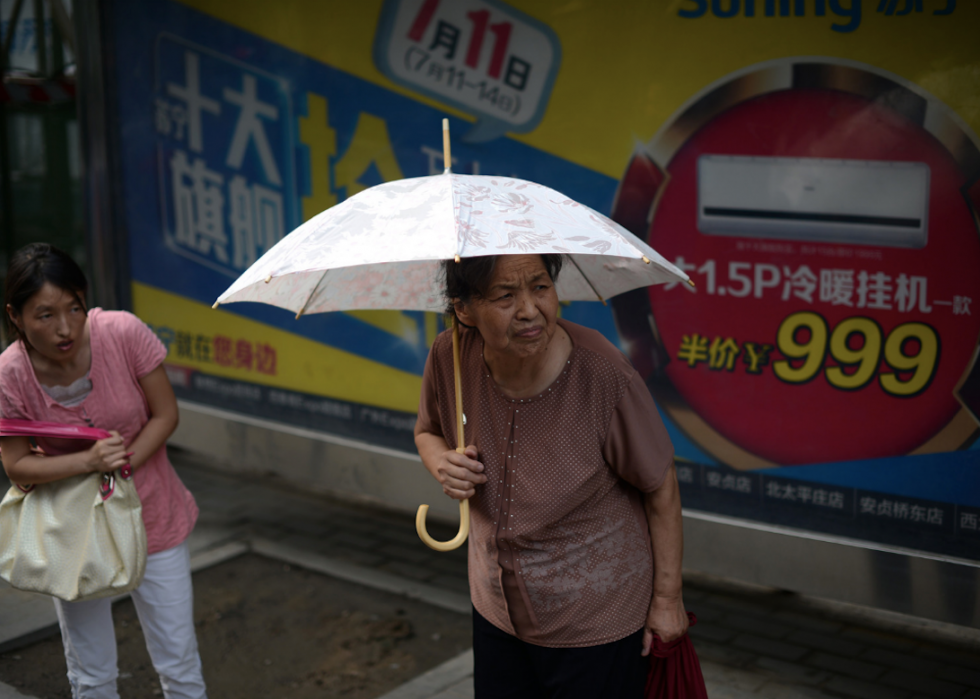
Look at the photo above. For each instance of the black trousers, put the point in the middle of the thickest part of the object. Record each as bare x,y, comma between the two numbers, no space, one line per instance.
506,667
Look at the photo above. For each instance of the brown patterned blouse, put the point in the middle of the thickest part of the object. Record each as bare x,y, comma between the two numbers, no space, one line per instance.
559,549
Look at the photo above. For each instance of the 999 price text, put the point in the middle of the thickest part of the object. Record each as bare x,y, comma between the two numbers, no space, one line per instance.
850,356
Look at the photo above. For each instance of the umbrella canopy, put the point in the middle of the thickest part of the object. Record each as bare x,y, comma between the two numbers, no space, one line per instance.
382,248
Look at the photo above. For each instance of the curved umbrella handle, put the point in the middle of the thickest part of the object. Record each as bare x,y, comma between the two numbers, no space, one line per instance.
456,541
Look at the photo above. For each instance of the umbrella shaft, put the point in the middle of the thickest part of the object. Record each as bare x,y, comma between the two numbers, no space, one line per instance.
458,381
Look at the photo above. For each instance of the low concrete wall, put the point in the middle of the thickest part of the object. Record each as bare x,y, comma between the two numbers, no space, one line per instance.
837,568
324,463
847,570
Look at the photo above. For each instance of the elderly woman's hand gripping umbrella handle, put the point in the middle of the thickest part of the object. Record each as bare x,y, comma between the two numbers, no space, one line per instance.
458,472
464,525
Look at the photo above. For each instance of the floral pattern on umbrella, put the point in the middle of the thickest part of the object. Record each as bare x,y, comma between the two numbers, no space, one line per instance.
382,247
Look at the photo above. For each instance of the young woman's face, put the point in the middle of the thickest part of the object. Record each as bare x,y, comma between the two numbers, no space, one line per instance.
53,321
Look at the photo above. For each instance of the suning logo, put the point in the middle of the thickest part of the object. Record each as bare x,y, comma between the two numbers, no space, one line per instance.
843,9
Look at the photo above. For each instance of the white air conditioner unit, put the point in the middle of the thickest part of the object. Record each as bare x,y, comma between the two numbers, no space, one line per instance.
864,202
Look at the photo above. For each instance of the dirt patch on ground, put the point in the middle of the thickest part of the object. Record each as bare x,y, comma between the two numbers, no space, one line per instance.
267,629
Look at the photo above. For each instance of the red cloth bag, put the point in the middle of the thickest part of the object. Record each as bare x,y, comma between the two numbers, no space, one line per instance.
675,672
32,428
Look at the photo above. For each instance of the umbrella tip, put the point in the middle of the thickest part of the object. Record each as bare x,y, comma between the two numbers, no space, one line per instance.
299,314
268,279
457,259
646,260
447,159
215,304
691,282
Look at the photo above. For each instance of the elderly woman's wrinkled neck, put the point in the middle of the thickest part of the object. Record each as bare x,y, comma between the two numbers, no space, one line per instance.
517,316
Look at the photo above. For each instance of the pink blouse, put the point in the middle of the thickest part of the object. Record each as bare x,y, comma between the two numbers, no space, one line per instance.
124,350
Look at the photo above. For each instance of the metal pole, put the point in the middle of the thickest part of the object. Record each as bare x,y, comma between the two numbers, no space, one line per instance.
41,38
63,22
108,251
57,182
11,30
6,191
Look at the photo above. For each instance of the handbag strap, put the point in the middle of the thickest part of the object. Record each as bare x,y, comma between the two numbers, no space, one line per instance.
106,488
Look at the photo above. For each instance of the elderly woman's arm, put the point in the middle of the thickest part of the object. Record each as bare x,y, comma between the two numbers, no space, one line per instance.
459,474
667,617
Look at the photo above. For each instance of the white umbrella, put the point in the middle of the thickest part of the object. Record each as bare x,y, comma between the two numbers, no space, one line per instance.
382,249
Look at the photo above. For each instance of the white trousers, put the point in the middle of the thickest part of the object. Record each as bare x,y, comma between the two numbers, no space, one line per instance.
165,605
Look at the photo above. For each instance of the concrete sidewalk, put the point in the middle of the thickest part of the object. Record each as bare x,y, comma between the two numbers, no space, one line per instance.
753,642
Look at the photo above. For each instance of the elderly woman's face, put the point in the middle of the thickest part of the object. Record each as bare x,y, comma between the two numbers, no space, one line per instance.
518,314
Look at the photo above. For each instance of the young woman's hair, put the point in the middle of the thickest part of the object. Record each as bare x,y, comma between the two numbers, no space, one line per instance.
32,267
469,278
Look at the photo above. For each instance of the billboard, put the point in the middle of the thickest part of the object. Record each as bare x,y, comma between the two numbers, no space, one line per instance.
813,165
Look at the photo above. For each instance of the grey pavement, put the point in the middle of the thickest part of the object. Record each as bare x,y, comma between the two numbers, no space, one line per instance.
752,641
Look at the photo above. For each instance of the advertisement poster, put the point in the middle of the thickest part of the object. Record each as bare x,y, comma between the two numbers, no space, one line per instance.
813,165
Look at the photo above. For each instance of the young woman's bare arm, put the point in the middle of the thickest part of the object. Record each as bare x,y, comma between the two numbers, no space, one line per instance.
163,416
24,467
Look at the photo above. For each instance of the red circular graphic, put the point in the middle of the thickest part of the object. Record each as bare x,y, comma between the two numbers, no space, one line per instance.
814,421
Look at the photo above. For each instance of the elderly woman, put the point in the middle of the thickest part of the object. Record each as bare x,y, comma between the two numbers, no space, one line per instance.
576,543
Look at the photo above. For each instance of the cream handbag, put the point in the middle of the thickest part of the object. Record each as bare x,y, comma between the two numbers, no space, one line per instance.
76,539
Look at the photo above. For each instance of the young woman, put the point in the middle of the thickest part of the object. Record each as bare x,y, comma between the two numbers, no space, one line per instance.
102,369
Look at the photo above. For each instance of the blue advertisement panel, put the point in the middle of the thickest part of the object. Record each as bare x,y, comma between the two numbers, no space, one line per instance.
816,177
